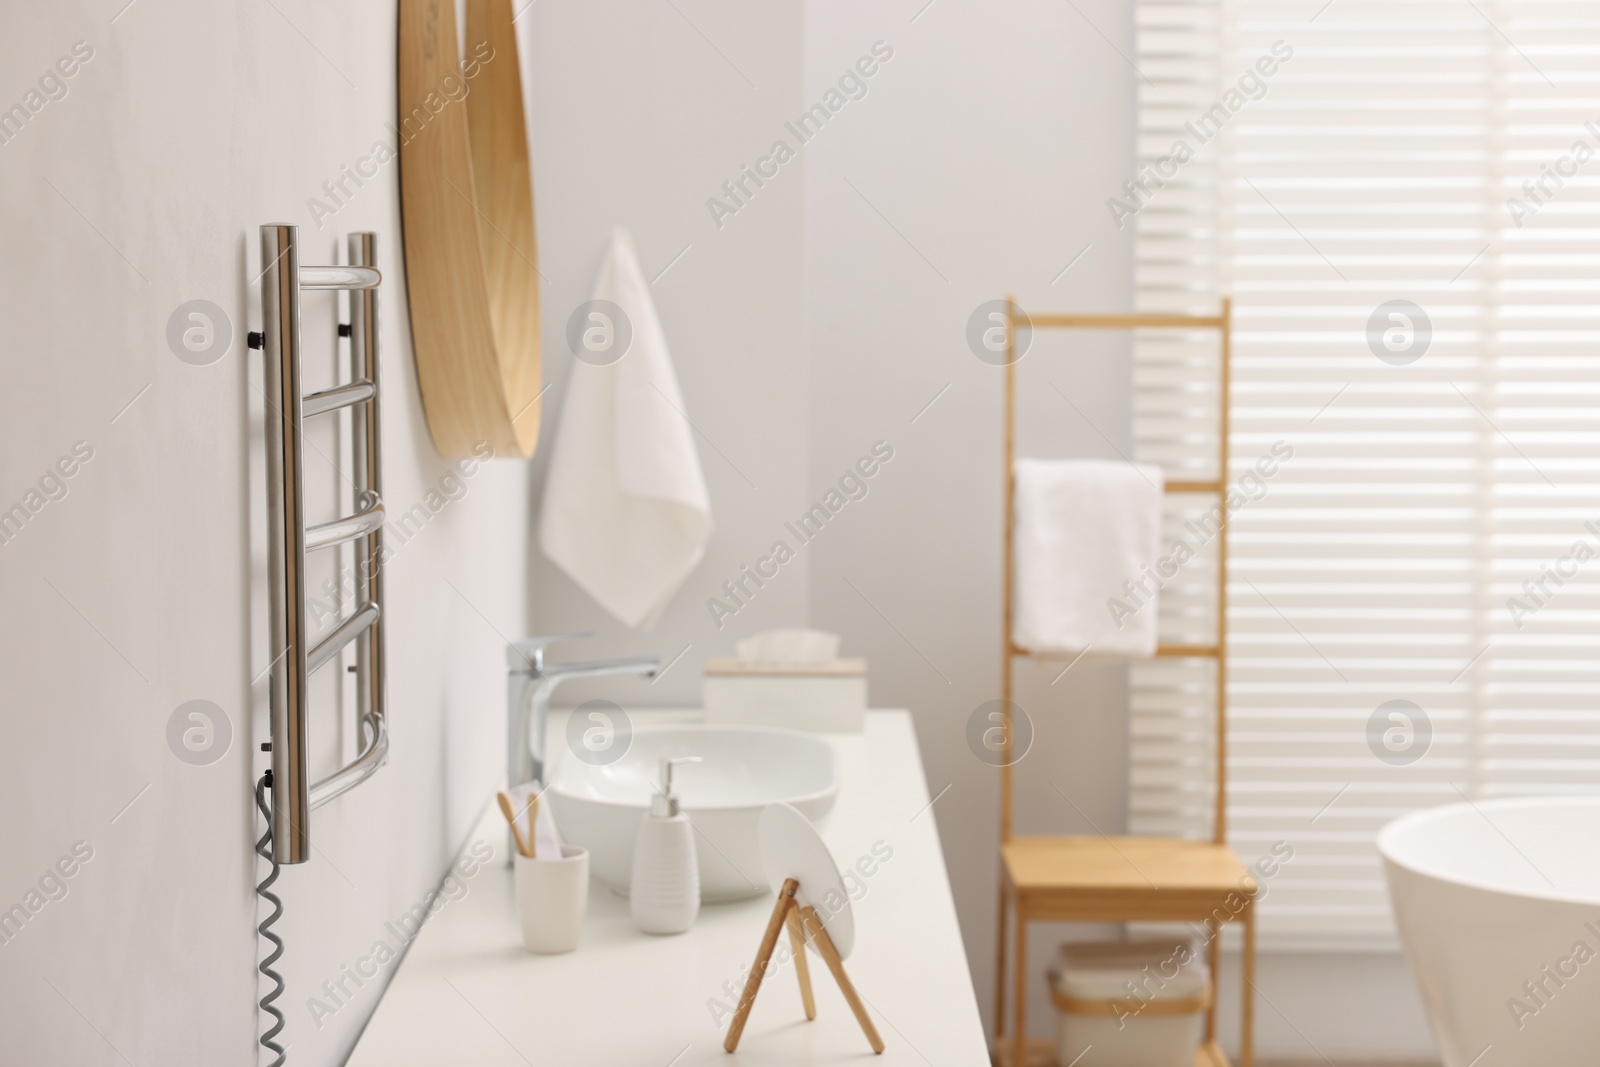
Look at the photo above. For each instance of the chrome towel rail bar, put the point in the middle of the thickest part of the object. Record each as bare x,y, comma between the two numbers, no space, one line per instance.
341,396
288,539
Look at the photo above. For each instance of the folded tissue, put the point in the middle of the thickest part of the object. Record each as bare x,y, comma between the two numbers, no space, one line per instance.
790,678
796,648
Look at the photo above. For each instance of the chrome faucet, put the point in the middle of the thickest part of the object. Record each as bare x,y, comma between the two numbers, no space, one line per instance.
529,683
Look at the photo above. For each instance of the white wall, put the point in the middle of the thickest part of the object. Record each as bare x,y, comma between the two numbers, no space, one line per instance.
976,164
979,165
637,119
966,174
193,124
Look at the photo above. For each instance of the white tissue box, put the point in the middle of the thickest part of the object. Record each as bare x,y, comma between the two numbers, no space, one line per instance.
825,697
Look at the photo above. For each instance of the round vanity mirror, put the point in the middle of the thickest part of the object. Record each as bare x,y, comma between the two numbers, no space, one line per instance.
792,848
466,199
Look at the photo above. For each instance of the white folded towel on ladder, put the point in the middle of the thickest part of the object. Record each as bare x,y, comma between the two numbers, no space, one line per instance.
626,513
1083,528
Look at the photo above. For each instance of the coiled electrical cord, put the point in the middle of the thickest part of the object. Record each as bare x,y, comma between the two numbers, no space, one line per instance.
263,890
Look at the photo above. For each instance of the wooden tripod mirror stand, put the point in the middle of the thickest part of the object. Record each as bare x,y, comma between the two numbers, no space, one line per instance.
802,921
795,854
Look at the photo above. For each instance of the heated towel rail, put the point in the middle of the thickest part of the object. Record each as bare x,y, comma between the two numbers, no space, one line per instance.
289,539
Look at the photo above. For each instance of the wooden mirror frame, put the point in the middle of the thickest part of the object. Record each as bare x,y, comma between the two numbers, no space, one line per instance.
466,205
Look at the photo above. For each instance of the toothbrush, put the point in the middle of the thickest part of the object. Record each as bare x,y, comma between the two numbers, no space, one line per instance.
516,828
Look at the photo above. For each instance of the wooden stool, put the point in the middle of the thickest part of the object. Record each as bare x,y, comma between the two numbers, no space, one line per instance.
1124,879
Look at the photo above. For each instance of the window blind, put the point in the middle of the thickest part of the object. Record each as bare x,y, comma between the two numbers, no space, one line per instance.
1404,203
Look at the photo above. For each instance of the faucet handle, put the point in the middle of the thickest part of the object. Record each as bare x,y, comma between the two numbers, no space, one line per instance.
528,654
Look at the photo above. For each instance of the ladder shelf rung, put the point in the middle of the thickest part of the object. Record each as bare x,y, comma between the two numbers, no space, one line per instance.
1188,651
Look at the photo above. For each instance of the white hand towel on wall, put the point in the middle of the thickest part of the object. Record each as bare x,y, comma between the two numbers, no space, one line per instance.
625,513
1083,528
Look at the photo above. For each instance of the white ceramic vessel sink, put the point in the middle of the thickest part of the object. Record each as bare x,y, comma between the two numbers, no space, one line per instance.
745,769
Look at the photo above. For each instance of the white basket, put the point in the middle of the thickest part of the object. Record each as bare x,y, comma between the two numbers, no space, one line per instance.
1129,1003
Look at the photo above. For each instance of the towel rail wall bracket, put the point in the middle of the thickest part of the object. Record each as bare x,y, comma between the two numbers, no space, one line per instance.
294,796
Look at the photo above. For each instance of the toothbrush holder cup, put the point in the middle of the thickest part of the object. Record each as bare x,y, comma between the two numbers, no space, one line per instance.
552,897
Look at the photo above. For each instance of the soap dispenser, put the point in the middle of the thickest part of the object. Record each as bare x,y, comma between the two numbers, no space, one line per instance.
665,893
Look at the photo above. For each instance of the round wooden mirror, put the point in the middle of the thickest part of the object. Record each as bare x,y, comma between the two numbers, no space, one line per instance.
466,202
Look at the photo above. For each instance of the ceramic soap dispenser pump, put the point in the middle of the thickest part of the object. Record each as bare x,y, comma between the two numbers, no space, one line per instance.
665,893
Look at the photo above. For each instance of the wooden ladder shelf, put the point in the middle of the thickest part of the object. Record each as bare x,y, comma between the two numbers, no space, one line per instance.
1122,879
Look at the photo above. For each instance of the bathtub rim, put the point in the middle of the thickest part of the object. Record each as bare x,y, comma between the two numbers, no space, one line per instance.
1396,827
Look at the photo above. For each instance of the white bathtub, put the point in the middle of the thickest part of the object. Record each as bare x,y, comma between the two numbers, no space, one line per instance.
1498,905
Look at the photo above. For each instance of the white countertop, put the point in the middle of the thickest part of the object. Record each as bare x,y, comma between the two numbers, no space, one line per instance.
467,993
